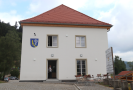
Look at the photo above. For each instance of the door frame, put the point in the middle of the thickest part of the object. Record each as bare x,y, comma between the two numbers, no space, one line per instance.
57,67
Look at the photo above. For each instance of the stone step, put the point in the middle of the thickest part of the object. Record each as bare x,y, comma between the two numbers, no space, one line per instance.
52,80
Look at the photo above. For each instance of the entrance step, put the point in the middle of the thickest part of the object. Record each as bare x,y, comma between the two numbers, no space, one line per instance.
52,81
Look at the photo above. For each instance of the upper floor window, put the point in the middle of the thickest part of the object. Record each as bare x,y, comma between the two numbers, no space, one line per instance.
52,40
80,41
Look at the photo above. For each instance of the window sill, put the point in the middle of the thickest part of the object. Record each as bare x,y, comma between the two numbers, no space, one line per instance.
52,47
80,47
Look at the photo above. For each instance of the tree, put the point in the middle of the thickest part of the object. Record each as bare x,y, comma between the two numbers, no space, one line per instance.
9,51
119,65
16,25
15,72
130,64
4,28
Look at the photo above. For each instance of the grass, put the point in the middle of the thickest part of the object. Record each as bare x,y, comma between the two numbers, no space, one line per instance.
2,81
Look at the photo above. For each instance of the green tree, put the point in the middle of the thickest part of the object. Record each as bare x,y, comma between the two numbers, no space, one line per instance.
9,51
119,65
130,64
15,72
16,25
4,28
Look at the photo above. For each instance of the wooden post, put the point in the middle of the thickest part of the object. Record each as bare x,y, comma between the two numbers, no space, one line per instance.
107,76
126,78
132,76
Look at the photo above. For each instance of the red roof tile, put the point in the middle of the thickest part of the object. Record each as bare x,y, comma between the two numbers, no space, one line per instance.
123,73
64,15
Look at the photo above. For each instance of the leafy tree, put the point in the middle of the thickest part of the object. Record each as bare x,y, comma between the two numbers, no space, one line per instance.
130,64
20,29
9,51
4,28
16,25
15,72
119,65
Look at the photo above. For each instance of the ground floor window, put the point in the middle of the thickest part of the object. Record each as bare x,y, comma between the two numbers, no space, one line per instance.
81,67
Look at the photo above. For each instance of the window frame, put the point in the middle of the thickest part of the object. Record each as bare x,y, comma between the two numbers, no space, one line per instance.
86,66
85,41
52,40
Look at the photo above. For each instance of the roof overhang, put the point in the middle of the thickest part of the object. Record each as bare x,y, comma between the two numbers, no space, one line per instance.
64,25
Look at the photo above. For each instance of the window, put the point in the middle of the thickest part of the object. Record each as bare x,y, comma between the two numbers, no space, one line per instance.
81,67
52,41
80,41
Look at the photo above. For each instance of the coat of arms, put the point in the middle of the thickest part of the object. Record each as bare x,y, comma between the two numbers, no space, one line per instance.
34,42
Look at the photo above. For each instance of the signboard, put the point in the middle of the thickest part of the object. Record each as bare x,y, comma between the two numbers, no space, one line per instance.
109,60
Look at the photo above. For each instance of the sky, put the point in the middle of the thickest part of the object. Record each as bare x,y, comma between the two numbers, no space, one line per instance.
119,13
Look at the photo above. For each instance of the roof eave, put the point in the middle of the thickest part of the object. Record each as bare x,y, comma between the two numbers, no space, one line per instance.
64,24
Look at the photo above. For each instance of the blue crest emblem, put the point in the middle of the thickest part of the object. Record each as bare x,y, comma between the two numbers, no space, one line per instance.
34,42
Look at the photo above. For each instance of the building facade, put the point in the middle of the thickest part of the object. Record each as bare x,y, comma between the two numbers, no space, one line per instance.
69,45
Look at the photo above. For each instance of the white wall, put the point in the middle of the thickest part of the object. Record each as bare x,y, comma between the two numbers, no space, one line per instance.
66,52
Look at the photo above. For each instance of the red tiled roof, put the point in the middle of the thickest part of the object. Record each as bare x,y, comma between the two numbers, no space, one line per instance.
123,73
65,15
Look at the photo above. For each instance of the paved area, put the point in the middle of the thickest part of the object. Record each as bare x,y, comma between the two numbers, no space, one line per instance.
35,86
16,85
96,87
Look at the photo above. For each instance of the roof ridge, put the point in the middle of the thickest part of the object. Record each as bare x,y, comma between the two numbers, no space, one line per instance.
65,15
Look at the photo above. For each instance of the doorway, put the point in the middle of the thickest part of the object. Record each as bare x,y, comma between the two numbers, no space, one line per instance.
53,73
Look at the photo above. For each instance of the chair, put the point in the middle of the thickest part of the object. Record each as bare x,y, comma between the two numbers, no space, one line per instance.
90,80
84,79
78,79
99,77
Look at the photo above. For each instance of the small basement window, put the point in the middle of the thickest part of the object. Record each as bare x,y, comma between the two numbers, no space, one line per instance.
52,40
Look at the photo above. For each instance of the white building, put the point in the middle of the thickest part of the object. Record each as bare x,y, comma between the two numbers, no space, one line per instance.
71,42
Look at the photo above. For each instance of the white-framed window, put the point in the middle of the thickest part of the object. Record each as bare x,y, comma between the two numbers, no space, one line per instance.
81,67
52,40
80,41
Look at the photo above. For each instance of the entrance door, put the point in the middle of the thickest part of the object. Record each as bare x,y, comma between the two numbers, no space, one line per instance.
52,73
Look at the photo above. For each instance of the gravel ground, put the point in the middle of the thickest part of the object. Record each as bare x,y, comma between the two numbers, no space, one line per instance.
16,85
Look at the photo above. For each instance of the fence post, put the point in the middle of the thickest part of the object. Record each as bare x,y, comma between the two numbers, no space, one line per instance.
126,78
110,82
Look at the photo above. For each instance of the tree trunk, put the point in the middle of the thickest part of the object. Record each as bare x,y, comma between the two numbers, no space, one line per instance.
3,76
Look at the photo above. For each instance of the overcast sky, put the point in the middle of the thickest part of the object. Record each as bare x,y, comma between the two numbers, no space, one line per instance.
119,13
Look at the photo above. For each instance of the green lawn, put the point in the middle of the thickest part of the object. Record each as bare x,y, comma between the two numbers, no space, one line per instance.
2,81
